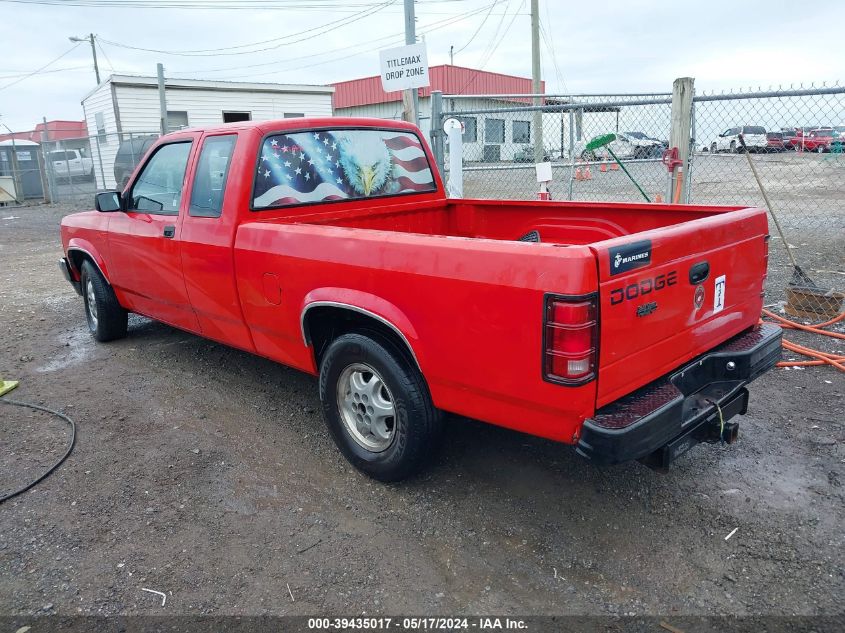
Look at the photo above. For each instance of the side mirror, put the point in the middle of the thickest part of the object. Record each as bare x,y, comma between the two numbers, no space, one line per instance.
108,201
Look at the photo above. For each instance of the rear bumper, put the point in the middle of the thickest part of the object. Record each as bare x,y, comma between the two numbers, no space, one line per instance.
64,266
662,420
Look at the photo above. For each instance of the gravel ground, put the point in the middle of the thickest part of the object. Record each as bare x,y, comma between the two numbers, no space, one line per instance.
207,474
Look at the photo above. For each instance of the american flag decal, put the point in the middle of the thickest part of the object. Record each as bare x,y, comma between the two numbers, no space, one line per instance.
324,165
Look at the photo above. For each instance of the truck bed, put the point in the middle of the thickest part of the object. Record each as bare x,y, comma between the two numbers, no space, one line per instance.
566,223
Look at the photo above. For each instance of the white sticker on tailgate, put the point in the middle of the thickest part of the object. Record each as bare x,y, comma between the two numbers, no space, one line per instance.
719,295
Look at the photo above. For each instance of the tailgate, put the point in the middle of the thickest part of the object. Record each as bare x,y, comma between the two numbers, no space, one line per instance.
670,294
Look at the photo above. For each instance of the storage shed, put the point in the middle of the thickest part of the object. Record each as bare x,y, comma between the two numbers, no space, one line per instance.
125,107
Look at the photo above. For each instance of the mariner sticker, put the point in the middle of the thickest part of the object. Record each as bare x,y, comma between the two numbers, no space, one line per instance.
629,256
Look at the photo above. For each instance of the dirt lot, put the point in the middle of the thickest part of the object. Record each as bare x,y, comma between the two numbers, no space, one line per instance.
206,473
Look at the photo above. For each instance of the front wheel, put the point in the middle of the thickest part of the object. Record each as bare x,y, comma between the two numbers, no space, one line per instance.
107,320
713,148
821,149
377,407
733,147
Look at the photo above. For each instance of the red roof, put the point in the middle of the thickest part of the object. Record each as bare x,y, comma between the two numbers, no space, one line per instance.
56,131
454,80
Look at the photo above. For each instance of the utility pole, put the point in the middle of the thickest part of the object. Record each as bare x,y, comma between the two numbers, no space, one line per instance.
536,85
162,98
451,55
90,38
410,98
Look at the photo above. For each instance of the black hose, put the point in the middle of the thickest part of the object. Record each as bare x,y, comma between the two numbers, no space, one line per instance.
72,441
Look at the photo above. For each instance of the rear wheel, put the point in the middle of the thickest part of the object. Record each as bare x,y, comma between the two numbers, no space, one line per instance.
821,149
377,406
107,320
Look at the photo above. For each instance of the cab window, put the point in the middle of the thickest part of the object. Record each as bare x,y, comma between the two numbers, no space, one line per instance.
158,189
210,178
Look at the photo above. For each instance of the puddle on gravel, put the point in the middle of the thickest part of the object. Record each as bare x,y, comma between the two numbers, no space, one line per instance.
79,347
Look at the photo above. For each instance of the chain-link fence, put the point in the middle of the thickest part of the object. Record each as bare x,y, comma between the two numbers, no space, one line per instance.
796,140
34,169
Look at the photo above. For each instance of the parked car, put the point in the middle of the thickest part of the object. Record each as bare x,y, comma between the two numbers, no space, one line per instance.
646,146
819,140
626,145
526,155
129,154
754,135
774,142
71,163
329,245
788,133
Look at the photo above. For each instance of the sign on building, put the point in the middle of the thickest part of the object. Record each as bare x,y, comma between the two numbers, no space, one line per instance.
404,67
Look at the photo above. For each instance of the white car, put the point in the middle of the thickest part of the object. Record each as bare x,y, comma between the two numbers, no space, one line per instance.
71,163
728,141
627,145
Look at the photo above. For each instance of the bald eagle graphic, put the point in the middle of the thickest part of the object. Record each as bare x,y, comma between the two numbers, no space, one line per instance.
367,163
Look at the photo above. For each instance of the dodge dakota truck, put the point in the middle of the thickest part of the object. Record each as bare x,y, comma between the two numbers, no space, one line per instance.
627,330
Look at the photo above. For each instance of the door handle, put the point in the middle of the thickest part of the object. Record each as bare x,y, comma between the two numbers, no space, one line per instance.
699,272
169,231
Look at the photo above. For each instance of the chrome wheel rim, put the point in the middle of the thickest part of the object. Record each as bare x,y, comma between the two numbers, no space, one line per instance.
366,407
91,302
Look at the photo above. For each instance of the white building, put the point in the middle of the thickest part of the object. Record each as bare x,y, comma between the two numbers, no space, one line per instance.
487,137
125,107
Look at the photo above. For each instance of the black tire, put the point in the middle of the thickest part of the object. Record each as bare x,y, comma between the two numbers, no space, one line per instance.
108,320
416,425
734,148
713,149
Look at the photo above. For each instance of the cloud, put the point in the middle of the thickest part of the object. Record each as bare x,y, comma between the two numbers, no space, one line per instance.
608,46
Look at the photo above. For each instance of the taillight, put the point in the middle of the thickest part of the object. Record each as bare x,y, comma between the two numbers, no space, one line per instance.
570,339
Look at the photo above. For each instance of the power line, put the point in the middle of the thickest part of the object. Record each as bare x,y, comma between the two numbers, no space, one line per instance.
492,51
480,26
428,28
103,51
233,5
35,72
43,72
550,49
219,51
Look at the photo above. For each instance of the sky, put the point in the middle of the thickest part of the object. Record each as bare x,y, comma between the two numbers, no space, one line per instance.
606,46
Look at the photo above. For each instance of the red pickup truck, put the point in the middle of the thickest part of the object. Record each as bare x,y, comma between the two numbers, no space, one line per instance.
627,330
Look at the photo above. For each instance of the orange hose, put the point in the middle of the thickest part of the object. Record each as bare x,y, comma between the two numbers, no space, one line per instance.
678,186
819,358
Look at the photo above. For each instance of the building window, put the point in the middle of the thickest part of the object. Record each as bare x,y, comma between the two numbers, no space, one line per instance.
234,117
176,120
293,115
494,130
100,122
521,132
470,128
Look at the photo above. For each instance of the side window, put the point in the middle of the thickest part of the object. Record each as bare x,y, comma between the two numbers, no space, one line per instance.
210,178
158,188
494,131
522,132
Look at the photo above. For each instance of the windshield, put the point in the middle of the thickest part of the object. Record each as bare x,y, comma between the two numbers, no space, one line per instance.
753,129
774,135
331,165
638,135
54,156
